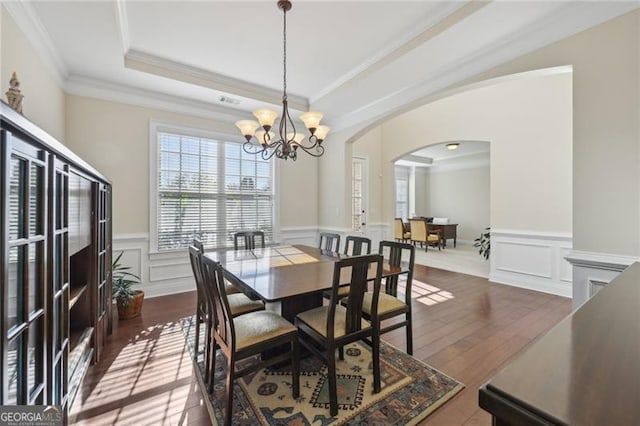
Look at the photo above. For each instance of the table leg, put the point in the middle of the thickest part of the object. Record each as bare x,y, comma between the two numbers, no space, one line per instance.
289,308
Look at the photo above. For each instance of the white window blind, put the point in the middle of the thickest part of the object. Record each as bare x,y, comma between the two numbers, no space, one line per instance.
210,189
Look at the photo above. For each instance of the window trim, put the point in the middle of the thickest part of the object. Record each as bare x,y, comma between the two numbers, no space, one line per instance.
156,127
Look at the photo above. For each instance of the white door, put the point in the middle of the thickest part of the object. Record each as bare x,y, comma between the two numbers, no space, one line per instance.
358,195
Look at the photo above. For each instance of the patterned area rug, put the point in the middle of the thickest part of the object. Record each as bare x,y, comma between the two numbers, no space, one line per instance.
411,390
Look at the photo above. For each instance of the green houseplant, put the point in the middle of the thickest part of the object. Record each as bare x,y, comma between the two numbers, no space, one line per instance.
484,243
128,300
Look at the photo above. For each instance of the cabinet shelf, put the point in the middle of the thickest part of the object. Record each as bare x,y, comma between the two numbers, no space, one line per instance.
75,293
79,342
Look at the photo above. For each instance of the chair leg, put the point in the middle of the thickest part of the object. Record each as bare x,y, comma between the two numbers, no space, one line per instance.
375,351
333,386
409,327
207,350
209,379
229,404
198,319
341,353
295,368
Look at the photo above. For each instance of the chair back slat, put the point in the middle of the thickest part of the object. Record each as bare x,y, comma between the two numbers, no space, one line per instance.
357,269
358,245
194,257
398,229
214,279
249,239
197,243
397,253
329,242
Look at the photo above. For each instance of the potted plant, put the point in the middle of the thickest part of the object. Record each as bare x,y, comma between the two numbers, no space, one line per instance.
129,301
484,243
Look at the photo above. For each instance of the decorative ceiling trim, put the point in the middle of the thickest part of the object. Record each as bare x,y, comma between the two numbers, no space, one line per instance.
104,90
445,17
508,48
27,20
155,65
122,21
398,47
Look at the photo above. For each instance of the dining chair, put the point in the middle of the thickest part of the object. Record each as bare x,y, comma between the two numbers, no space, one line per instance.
239,304
197,243
420,233
329,242
244,336
324,329
357,245
399,230
249,238
389,305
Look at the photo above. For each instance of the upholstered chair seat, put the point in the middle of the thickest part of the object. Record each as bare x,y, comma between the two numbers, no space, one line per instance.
258,327
386,303
241,304
317,319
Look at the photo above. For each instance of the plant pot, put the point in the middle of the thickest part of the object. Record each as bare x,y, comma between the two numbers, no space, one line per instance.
133,308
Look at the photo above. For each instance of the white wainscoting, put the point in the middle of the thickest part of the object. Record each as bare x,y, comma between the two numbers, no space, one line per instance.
160,273
378,232
299,235
593,271
531,260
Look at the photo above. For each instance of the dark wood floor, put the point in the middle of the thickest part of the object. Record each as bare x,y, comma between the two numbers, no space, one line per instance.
463,326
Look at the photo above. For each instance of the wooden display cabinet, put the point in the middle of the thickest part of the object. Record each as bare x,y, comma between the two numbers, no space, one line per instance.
55,265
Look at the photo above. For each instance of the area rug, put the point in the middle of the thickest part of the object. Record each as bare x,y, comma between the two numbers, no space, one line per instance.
411,390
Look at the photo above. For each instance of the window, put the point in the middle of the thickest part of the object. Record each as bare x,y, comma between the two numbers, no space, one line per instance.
357,194
209,188
402,192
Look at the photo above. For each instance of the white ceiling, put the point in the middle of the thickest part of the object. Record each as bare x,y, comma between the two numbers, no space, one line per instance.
468,154
356,61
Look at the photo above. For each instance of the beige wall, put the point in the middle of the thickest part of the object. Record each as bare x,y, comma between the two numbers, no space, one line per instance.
606,130
530,146
43,97
114,138
461,195
606,133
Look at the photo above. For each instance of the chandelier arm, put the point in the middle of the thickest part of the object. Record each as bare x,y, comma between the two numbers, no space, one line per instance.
319,150
251,148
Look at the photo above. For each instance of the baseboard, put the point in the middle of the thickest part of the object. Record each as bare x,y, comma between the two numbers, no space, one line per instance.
532,260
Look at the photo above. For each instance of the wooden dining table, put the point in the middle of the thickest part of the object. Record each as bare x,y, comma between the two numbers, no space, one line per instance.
293,275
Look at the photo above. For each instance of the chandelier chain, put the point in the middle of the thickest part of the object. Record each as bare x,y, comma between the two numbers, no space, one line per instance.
284,54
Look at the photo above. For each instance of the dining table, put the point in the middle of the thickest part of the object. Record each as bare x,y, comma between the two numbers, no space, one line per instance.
292,275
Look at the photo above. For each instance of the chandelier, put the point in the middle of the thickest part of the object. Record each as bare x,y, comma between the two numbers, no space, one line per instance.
288,140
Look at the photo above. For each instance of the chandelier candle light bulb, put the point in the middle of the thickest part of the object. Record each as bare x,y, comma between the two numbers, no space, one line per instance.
285,144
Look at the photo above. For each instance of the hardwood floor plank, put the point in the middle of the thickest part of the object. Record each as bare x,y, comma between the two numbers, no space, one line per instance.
464,326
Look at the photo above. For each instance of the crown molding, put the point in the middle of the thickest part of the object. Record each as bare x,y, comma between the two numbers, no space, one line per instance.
433,86
444,16
151,64
122,21
27,20
104,90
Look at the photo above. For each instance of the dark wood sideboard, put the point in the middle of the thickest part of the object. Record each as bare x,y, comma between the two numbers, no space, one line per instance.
447,232
55,266
585,371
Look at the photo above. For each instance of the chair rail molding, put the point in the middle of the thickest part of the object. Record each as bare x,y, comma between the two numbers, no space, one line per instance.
592,271
532,259
298,235
160,273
